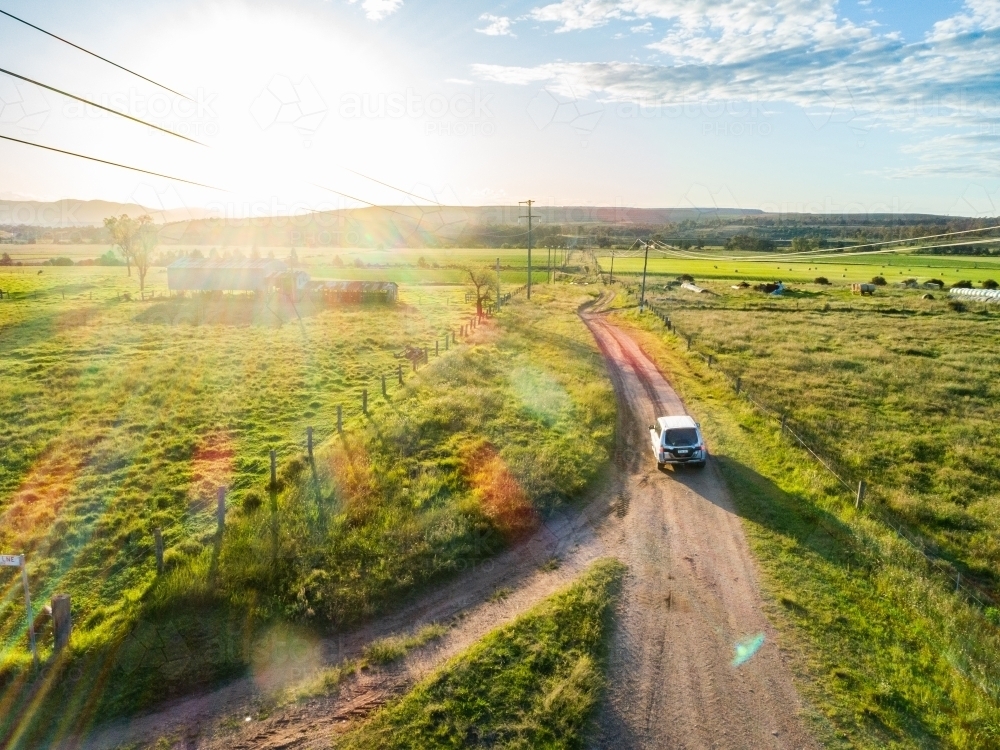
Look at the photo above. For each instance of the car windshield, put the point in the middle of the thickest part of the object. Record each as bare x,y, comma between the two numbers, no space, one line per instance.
681,436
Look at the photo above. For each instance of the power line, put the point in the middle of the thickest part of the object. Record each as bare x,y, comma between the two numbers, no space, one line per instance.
361,200
94,54
99,106
392,187
110,163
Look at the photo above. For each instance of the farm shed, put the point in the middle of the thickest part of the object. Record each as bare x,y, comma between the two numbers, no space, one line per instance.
356,292
210,275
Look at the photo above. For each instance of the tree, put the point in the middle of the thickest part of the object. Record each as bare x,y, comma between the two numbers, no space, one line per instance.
146,240
6,260
484,280
124,232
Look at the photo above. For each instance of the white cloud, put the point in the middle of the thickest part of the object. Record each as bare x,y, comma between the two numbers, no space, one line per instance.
646,28
496,25
977,15
376,10
799,51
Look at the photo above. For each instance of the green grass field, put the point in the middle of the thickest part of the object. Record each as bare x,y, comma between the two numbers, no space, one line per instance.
886,655
533,683
122,417
857,268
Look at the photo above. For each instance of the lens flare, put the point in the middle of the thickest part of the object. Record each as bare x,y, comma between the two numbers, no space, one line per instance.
746,648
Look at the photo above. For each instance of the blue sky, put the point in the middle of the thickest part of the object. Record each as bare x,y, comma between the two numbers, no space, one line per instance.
792,105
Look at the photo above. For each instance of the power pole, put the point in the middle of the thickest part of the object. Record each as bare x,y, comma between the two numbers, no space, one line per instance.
642,298
612,280
529,203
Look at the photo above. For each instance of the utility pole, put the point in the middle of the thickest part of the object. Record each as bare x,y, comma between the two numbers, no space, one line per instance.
642,298
612,280
529,203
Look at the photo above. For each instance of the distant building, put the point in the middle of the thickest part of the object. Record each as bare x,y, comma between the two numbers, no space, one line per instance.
235,275
355,292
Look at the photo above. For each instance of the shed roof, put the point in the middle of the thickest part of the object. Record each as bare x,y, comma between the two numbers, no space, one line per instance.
219,264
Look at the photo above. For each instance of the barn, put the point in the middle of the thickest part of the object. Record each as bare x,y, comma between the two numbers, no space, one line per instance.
231,275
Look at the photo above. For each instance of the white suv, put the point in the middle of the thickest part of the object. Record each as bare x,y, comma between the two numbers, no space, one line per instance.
678,440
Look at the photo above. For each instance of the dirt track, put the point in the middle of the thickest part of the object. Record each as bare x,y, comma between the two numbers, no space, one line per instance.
690,596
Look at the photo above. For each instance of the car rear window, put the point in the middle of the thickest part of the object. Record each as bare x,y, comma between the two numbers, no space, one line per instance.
681,436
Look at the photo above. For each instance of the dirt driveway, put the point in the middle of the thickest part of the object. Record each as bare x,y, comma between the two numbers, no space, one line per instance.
690,597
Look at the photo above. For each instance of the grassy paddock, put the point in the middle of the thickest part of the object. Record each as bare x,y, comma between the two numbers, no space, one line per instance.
885,655
127,416
846,270
533,683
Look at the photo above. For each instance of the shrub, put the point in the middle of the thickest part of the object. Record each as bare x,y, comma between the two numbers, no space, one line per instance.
936,281
686,277
990,284
879,280
962,285
821,280
252,501
956,305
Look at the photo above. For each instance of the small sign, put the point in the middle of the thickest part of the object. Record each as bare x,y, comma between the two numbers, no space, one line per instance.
11,561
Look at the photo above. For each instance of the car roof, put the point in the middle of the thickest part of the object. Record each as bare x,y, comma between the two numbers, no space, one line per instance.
670,423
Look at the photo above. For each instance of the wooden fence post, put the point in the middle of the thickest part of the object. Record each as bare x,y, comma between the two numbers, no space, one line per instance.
446,342
221,510
710,360
689,342
739,385
436,352
274,467
862,489
364,401
158,546
340,418
385,393
400,367
309,441
62,622
784,421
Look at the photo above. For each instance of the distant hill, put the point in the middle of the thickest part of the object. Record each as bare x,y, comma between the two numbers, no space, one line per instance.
69,213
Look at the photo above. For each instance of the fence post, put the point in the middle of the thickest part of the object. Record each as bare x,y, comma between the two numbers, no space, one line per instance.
739,385
784,421
709,360
385,393
400,368
340,418
689,342
158,546
309,441
62,622
221,511
436,352
446,342
274,467
862,488
364,401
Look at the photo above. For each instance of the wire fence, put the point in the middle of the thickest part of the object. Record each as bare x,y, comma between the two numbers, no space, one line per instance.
801,435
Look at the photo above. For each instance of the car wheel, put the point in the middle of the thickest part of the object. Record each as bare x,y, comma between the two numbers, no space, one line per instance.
660,466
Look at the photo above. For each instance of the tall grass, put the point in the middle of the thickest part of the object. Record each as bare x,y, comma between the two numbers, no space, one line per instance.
131,421
533,683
